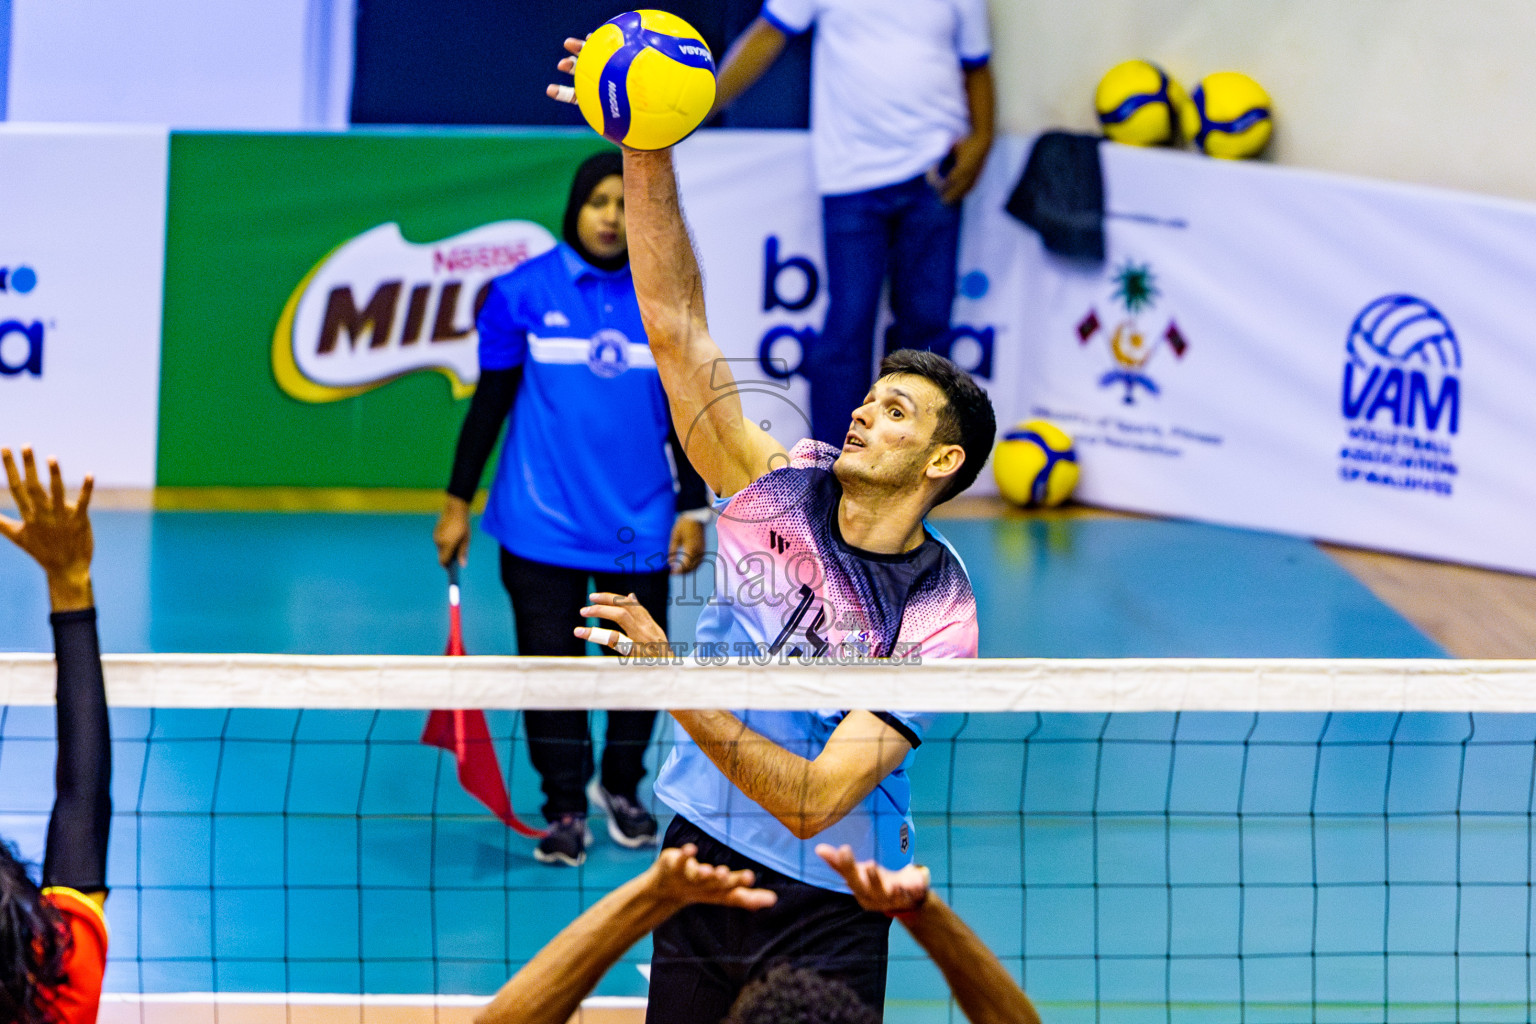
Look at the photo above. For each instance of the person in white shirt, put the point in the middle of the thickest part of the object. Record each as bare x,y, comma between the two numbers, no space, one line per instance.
901,123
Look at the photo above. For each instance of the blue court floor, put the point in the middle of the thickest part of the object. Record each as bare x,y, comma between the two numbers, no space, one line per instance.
369,584
1130,867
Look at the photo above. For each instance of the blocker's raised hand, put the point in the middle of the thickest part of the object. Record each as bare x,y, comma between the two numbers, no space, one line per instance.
53,530
678,877
877,888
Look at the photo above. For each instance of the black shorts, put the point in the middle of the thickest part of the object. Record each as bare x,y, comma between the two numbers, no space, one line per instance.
704,954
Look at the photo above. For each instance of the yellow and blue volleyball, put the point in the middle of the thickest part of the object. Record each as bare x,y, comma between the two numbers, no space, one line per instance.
1035,465
1140,104
645,80
1229,116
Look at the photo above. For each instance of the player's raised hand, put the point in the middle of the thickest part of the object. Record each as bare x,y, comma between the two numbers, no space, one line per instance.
53,530
678,877
636,627
877,888
566,93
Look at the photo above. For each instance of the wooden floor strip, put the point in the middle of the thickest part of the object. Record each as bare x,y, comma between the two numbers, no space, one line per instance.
1472,613
299,1008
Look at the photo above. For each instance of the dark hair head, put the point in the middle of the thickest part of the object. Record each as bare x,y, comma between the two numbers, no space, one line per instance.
588,176
796,995
33,945
967,418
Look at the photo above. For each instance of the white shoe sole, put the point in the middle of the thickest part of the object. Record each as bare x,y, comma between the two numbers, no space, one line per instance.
562,858
599,796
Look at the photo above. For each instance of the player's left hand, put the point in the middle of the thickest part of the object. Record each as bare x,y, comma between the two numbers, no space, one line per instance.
638,633
53,530
566,93
970,155
678,878
877,888
686,549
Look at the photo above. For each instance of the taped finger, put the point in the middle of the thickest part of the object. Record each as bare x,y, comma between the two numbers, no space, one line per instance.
611,638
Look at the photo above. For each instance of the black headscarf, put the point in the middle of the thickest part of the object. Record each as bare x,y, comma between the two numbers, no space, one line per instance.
588,176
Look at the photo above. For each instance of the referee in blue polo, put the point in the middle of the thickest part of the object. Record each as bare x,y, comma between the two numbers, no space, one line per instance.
584,492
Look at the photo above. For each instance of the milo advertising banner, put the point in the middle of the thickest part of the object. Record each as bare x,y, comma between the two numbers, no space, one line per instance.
321,291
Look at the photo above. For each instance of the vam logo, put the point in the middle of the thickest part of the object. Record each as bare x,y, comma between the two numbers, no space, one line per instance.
378,307
1130,345
1403,362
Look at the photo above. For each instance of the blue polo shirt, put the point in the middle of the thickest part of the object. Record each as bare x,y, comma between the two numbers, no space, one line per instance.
584,480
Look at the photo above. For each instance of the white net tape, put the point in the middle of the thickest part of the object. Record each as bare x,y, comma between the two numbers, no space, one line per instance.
1001,684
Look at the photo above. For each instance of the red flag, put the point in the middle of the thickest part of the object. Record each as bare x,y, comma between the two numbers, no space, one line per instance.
466,735
1176,340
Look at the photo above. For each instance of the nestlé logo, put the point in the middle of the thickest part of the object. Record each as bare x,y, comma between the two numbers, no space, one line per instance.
379,307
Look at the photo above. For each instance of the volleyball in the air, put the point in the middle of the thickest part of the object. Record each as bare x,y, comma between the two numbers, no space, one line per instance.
1229,116
645,80
1140,104
1035,465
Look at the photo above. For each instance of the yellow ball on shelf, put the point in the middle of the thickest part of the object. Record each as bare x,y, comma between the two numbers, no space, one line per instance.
1035,465
1229,116
645,80
1140,104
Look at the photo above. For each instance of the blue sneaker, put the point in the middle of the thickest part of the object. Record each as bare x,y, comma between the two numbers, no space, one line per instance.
566,842
629,823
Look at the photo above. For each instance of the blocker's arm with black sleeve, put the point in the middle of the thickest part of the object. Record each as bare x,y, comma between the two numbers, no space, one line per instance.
82,807
488,410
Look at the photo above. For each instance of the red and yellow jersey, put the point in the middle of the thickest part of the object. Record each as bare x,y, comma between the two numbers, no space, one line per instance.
78,999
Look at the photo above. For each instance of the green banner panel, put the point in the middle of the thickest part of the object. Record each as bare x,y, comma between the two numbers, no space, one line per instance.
320,294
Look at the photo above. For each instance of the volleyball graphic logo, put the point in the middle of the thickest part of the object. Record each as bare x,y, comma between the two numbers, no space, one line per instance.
1403,366
1139,104
1403,330
645,80
1228,116
1035,465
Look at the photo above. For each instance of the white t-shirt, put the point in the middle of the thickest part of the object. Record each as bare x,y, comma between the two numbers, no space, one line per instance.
887,89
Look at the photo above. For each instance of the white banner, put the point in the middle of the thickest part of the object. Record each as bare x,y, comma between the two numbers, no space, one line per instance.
1264,347
82,258
1291,351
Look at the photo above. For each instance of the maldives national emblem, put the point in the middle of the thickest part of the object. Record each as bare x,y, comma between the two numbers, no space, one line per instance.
1132,346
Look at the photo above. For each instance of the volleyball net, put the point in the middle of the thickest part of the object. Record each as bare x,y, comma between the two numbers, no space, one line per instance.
1136,840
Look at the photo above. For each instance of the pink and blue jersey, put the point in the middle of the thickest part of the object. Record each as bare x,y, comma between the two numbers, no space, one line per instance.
787,587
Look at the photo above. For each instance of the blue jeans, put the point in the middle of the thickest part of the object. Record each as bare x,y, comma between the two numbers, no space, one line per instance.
901,230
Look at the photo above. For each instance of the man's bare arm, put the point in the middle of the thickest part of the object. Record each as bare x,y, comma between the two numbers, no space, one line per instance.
971,152
986,992
753,53
552,985
728,451
808,797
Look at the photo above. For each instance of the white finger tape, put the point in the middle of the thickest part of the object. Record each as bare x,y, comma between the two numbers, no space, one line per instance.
612,638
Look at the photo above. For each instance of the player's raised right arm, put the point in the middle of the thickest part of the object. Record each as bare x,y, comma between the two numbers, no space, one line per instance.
728,451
